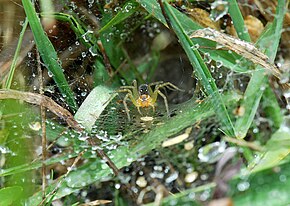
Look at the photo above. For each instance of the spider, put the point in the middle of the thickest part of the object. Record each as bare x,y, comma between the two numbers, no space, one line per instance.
144,96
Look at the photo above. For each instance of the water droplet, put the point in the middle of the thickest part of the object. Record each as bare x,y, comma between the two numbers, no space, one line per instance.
117,186
128,7
207,58
219,8
242,186
83,94
212,152
93,50
50,74
219,64
195,47
87,36
129,159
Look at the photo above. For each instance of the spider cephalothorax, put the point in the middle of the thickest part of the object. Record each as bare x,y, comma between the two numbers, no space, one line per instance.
144,96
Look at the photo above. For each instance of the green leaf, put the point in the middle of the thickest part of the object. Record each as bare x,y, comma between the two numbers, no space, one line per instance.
10,195
48,53
14,61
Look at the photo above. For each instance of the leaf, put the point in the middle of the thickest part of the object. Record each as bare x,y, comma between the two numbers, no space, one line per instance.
10,195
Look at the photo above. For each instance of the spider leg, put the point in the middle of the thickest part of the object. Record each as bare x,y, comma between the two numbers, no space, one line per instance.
126,87
135,89
126,106
165,101
138,108
129,95
170,86
155,83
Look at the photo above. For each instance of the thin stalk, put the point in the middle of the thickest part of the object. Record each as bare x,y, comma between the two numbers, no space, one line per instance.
15,58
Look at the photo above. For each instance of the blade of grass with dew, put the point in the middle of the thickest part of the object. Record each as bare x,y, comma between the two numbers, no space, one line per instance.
93,106
17,51
229,60
270,42
96,170
48,53
238,20
202,71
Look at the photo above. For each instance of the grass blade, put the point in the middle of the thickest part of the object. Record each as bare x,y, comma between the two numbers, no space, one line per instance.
14,61
270,42
202,71
48,53
238,21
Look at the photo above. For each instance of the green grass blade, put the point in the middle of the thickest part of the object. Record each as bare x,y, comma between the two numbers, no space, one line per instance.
14,61
269,42
48,53
238,21
202,71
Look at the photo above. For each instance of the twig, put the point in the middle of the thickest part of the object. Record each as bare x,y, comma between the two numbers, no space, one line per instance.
43,126
244,143
243,48
106,59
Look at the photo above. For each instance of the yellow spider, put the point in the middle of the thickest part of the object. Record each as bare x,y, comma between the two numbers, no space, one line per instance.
144,96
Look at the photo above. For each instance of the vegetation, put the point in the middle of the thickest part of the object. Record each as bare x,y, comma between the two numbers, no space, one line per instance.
65,136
